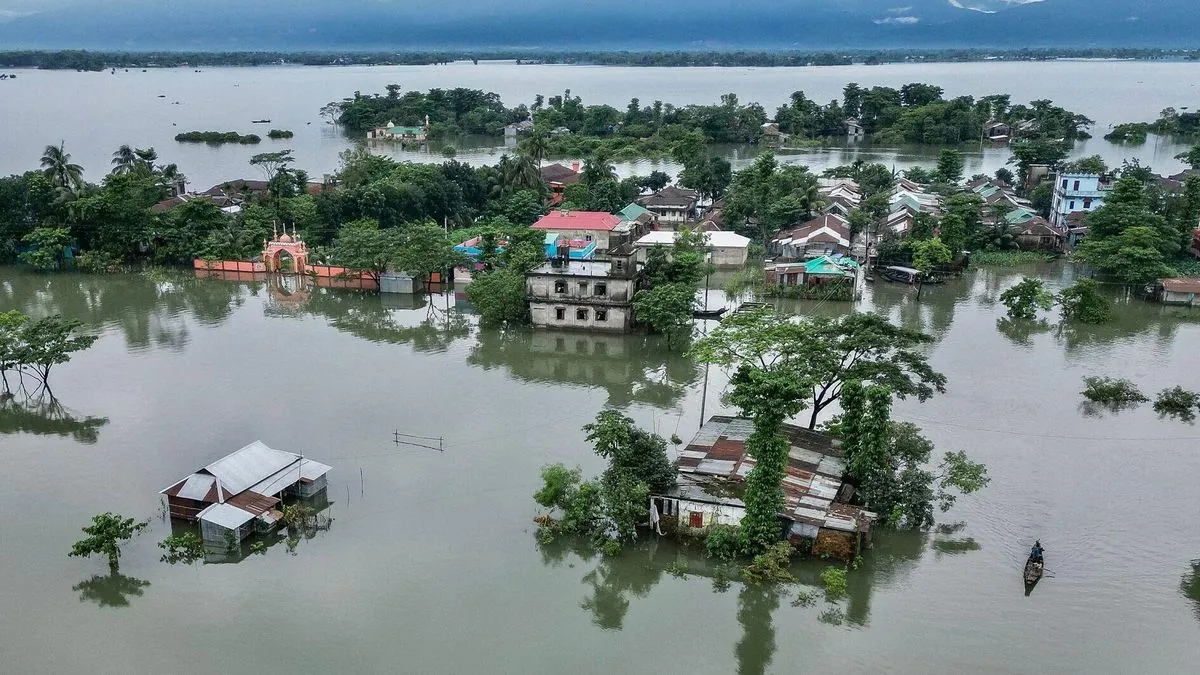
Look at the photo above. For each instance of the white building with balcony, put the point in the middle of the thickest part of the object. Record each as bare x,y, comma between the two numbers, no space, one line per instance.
1075,193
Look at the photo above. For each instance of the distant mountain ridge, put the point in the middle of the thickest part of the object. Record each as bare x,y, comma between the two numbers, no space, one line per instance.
595,24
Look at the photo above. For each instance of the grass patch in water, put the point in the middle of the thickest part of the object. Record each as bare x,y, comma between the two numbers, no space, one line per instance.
1009,258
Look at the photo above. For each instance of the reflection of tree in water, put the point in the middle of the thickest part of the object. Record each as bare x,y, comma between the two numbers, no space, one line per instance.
113,590
1132,319
631,368
149,308
41,414
614,582
390,318
1190,586
754,651
1021,331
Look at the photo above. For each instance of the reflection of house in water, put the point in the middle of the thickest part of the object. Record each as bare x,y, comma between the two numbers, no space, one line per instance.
713,470
237,495
631,368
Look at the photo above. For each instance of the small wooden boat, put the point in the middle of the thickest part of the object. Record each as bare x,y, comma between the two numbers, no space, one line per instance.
260,121
1033,570
1033,573
708,313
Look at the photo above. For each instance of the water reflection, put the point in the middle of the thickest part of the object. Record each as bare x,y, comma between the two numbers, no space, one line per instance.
390,318
756,648
149,308
631,368
113,590
41,414
1021,331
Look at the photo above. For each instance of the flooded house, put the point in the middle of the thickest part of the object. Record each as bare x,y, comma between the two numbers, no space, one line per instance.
712,474
594,295
240,493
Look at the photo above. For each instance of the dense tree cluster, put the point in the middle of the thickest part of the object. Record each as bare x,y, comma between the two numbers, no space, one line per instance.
450,111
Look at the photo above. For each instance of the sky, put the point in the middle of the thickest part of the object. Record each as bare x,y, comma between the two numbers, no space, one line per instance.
592,24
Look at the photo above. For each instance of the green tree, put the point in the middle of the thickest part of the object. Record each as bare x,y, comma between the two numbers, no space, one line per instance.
597,168
124,160
64,175
184,548
50,341
1191,157
423,249
362,245
1131,257
1083,301
12,348
48,247
770,384
105,536
271,163
949,166
1026,298
499,297
632,453
537,146
1093,164
666,308
953,231
931,255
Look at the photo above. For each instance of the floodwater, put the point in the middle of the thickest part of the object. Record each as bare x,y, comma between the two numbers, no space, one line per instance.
430,564
148,108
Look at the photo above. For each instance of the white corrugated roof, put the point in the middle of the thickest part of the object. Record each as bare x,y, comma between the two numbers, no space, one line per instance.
196,486
720,239
227,516
311,470
252,464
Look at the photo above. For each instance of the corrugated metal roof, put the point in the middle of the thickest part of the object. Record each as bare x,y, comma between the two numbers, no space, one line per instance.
310,470
239,470
226,515
813,475
195,486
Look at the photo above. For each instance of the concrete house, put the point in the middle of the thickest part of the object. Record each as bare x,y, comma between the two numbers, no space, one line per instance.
1075,193
584,295
1179,292
824,235
1036,234
239,494
674,205
727,249
580,227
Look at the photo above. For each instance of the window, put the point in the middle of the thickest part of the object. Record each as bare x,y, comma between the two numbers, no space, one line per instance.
559,343
581,314
601,290
618,264
560,313
1064,184
695,519
581,346
587,237
583,288
1087,202
1072,205
602,315
560,286
1076,185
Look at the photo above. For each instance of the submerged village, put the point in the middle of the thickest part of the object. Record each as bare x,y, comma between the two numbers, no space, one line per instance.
805,458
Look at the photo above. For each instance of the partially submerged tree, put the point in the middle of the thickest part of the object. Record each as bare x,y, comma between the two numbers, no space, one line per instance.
1084,302
666,308
1177,402
185,548
1026,298
1112,391
889,461
106,534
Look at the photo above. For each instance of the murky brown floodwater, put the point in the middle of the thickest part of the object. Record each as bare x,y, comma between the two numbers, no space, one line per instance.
430,564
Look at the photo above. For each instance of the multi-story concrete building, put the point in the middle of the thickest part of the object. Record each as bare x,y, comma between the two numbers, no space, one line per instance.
1075,193
584,295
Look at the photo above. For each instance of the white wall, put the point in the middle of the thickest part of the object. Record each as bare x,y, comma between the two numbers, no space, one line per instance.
545,315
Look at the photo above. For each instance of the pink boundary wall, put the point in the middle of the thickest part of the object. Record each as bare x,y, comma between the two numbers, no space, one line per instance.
325,275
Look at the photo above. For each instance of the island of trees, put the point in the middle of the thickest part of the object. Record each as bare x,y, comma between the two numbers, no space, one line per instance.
564,125
1171,123
218,137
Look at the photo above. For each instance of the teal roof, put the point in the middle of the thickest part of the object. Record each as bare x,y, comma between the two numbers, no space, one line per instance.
414,131
831,266
1020,215
633,211
987,190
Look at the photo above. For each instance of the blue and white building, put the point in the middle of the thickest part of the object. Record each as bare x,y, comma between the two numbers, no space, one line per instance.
1076,193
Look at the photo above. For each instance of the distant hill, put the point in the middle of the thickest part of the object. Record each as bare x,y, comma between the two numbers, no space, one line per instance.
595,24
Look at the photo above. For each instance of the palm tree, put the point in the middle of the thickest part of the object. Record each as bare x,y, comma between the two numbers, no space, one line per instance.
123,160
537,146
597,169
522,174
145,161
57,166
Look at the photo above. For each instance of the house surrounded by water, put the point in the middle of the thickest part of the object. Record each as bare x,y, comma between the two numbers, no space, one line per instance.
240,493
712,474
